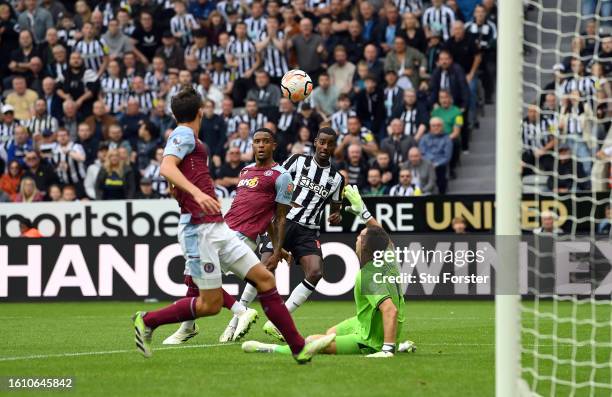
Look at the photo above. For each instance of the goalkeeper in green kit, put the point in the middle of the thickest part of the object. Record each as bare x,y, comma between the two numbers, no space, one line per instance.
375,329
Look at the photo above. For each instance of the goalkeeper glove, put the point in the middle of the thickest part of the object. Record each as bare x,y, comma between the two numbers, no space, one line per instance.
357,206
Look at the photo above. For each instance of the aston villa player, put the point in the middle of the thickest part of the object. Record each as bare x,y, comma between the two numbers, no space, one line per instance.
220,249
263,192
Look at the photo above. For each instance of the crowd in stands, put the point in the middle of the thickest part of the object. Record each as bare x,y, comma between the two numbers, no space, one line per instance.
86,88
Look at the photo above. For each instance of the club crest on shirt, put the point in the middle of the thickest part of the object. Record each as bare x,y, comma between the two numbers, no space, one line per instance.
268,173
209,267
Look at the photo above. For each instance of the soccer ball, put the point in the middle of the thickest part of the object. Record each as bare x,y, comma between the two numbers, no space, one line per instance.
296,85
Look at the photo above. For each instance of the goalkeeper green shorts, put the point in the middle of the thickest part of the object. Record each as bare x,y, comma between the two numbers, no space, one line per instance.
348,338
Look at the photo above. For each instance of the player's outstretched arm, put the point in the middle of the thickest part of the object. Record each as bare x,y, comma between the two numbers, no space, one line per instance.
169,170
389,317
357,207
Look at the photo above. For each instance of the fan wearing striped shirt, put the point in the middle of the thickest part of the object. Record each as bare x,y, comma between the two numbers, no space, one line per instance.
94,52
69,161
538,142
115,88
243,56
256,22
272,45
182,23
41,120
317,182
405,187
438,17
200,49
339,119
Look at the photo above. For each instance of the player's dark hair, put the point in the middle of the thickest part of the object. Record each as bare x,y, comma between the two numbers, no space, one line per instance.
375,239
327,131
186,104
267,131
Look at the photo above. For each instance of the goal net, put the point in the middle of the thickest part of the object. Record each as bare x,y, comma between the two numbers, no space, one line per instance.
565,307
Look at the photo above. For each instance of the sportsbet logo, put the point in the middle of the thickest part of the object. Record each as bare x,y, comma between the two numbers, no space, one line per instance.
250,183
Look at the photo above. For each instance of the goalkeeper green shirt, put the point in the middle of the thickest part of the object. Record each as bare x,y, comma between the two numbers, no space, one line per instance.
370,291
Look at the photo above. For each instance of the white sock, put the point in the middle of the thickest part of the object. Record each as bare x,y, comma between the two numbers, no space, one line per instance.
248,295
299,295
187,326
238,308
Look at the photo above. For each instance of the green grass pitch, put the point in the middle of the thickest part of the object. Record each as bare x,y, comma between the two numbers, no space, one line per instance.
94,343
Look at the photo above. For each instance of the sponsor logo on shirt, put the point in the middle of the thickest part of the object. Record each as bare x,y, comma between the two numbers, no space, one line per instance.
250,183
307,183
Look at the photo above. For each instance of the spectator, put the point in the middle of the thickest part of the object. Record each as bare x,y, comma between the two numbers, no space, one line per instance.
303,145
538,143
575,125
22,98
118,43
438,17
222,76
93,170
53,103
449,76
144,97
605,224
413,33
272,43
162,120
115,88
28,192
19,59
79,85
146,191
69,161
7,127
309,118
482,29
342,71
170,52
19,145
548,227
407,62
182,23
130,120
69,193
570,175
394,96
89,143
339,120
70,120
375,66
54,194
115,138
147,39
115,180
93,51
458,225
370,106
356,167
9,35
58,65
452,117
405,187
330,41
45,143
100,121
243,142
27,229
243,56
432,52
397,144
387,168
287,126
437,147
229,173
309,49
467,54
213,133
36,20
252,116
41,120
375,185
265,94
369,21
148,138
423,172
357,135
324,97
354,44
159,183
414,116
9,181
40,171
389,29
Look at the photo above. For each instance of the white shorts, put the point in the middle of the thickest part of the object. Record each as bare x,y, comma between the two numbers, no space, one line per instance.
211,249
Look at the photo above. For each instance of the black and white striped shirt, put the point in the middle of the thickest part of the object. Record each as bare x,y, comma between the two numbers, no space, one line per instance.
441,19
411,120
585,85
68,37
314,4
153,82
285,120
573,126
204,55
314,186
115,90
404,191
255,26
221,79
107,11
243,144
244,52
158,182
536,134
36,125
183,24
231,124
7,132
92,52
485,34
411,6
75,172
275,61
145,100
339,120
254,122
